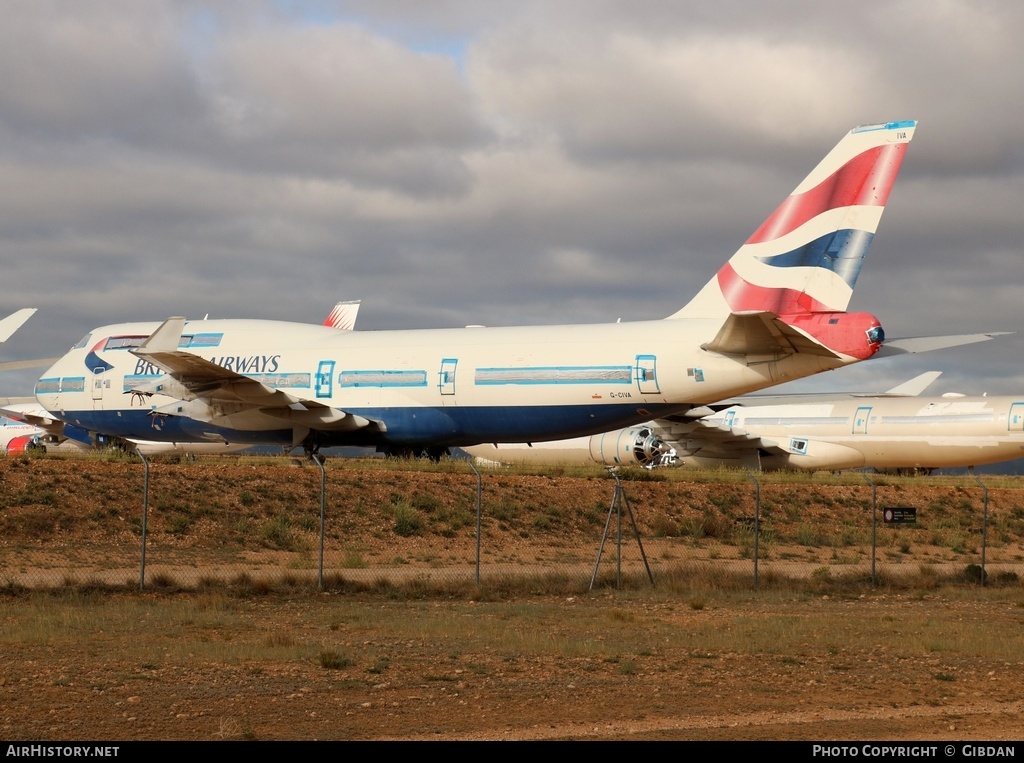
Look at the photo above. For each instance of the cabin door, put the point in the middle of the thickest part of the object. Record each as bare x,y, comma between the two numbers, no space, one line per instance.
325,379
647,374
100,383
1015,421
446,380
860,420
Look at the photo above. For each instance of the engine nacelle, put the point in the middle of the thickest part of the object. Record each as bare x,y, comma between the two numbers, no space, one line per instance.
633,446
857,335
24,444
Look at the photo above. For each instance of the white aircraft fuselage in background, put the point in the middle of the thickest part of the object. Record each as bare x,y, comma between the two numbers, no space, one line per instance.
18,437
774,312
809,433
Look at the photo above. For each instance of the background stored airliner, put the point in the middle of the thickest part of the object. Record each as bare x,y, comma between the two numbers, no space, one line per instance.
775,312
894,431
27,426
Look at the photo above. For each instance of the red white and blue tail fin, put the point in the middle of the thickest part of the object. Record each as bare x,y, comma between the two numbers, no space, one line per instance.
806,257
343,315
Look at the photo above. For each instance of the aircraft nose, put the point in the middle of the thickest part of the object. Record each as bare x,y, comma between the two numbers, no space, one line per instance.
48,383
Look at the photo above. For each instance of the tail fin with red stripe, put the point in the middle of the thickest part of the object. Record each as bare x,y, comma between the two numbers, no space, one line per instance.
806,257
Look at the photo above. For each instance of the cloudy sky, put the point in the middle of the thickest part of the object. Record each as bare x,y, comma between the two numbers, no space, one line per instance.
495,162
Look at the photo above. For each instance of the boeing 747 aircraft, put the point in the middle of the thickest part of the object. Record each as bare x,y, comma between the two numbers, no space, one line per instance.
894,431
773,313
25,425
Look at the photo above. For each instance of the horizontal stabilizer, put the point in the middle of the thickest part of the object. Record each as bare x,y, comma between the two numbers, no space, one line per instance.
762,335
909,345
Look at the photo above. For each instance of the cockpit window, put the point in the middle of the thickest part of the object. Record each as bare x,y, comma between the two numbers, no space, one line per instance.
84,342
876,335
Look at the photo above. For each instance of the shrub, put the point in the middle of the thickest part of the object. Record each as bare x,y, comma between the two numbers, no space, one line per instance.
408,521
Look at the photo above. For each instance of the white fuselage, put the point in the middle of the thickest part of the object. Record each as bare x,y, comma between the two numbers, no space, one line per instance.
436,386
885,433
16,432
830,434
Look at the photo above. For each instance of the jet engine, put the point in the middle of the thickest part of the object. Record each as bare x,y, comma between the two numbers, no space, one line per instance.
633,446
25,444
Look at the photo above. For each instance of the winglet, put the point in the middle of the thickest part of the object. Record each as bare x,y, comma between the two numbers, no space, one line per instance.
915,386
166,338
14,321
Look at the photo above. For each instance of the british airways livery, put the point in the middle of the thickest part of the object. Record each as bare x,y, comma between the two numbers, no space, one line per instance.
776,311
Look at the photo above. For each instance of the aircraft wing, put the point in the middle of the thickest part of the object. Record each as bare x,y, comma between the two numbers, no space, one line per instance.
28,411
8,326
694,433
910,388
698,436
217,392
14,365
14,321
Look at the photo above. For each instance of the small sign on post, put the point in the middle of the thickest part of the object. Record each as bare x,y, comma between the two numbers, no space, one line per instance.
900,515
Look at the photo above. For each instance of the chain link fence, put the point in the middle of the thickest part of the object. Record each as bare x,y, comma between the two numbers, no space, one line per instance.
376,524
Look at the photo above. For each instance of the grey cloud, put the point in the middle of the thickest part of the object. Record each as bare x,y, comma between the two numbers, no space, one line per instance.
496,163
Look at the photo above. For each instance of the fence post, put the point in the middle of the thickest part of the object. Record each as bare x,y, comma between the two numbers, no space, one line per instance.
757,522
984,525
319,459
874,529
145,514
479,511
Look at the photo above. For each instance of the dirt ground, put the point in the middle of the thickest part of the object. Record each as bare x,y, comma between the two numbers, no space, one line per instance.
677,661
238,670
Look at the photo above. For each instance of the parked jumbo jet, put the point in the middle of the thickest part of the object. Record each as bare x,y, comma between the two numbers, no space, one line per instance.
774,312
893,431
26,426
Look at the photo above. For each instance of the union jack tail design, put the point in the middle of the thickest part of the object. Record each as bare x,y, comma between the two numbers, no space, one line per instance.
806,257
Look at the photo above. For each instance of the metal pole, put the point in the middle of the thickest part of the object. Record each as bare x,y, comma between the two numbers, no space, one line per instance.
636,534
145,514
618,499
479,511
318,459
618,540
757,522
984,528
607,524
874,525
